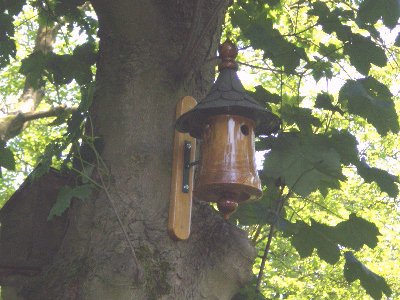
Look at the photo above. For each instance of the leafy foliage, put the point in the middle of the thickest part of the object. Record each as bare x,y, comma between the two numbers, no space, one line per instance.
320,142
65,195
371,100
314,169
7,159
374,284
303,162
352,233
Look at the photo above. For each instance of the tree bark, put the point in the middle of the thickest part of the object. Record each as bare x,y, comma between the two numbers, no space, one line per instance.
137,87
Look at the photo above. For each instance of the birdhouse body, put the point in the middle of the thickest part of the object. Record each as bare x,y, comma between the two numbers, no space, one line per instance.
226,121
227,170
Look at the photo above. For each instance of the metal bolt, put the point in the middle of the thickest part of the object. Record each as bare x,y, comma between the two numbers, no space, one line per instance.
186,187
188,145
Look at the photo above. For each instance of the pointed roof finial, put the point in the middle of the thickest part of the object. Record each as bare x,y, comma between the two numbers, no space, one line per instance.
227,52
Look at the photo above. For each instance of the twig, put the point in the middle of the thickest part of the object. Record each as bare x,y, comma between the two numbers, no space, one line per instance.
259,67
110,199
257,233
100,161
264,258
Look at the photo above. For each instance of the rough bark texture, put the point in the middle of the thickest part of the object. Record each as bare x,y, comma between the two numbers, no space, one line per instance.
138,85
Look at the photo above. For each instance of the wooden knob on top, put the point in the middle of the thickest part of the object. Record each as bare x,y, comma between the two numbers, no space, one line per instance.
228,52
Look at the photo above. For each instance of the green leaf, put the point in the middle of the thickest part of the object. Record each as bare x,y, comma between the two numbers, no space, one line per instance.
7,43
346,145
264,96
261,211
373,284
363,52
301,116
353,233
65,195
356,232
320,69
372,100
385,180
330,51
324,101
33,67
12,6
307,238
370,11
303,163
84,56
262,35
397,41
330,21
7,159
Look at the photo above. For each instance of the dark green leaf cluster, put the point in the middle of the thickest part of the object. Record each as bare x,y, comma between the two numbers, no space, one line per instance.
317,143
7,159
374,284
8,9
327,240
259,30
61,69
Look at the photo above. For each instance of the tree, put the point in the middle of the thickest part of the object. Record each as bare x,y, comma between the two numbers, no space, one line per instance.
90,222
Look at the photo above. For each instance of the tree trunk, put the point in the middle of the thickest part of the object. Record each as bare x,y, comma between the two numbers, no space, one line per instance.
152,53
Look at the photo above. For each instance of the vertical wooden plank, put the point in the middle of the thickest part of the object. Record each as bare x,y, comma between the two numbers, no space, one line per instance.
180,208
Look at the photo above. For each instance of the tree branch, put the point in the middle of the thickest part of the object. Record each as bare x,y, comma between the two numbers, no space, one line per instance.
13,124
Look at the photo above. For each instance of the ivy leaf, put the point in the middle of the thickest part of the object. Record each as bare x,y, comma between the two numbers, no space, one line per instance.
371,100
7,159
370,11
356,232
373,284
324,101
385,180
65,196
363,52
303,163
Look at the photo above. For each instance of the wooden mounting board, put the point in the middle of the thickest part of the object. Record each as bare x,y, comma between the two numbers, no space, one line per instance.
180,209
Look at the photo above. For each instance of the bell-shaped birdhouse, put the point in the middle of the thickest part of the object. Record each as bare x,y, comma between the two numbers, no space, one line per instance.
226,121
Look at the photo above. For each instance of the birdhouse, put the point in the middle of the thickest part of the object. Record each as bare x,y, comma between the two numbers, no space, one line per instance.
226,122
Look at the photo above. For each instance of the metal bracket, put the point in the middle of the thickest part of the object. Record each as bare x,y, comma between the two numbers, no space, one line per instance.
187,147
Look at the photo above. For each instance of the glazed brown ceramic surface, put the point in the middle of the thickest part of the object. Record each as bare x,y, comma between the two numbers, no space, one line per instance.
228,170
